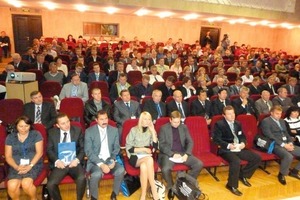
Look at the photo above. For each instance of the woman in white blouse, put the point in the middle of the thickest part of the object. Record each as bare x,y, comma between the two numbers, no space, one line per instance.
60,66
247,77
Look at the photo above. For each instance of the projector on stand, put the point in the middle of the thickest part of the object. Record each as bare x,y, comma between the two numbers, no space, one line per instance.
21,76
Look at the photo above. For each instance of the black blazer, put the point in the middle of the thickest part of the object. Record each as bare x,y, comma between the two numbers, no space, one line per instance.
217,106
150,107
172,106
165,92
90,110
83,76
45,66
266,87
23,66
48,115
92,77
254,90
54,139
249,108
223,136
197,108
184,91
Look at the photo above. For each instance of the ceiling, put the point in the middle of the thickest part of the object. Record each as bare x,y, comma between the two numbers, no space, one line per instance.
232,11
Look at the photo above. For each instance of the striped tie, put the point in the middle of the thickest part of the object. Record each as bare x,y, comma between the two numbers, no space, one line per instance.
38,115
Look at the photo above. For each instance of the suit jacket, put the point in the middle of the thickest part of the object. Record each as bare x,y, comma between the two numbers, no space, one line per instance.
172,106
45,66
82,91
255,70
140,90
271,130
92,145
222,135
23,66
92,77
254,90
169,62
184,92
122,113
29,58
262,107
216,90
113,77
234,90
54,139
217,106
151,62
288,88
114,93
197,109
267,87
165,92
150,107
249,108
106,68
83,76
90,110
285,104
295,74
48,114
165,138
90,59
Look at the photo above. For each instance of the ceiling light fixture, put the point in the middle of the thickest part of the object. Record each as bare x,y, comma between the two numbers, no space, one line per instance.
264,22
111,10
164,14
191,16
252,23
49,5
212,19
15,3
81,7
142,12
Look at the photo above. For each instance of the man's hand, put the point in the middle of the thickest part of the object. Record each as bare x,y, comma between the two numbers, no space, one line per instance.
242,145
112,165
60,164
184,158
176,156
245,101
105,168
73,163
232,146
289,147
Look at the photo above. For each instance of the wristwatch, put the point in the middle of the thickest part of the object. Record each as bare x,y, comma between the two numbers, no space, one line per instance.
31,165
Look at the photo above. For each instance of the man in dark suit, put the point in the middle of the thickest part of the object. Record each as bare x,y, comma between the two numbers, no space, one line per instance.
219,103
155,106
41,64
92,106
109,65
243,104
296,72
153,59
19,64
202,107
257,68
254,87
125,109
292,87
93,57
29,55
228,135
235,89
175,142
80,72
65,133
275,129
220,85
114,75
142,89
40,112
178,104
169,60
96,75
282,99
118,86
101,146
168,88
269,85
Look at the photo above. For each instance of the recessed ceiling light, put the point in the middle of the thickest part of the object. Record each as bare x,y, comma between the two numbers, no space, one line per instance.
190,16
81,7
232,21
111,10
165,14
212,19
142,12
272,25
264,22
49,5
252,23
15,3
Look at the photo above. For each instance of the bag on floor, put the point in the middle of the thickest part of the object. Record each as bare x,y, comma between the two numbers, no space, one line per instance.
161,190
186,187
130,184
264,144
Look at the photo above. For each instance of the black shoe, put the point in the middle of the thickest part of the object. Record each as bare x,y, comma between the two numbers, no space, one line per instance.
245,182
113,196
234,191
294,174
170,194
281,179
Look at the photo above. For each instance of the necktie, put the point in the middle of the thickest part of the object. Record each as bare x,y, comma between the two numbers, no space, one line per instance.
203,103
224,103
74,91
181,111
128,106
292,90
159,114
38,115
65,137
273,89
269,107
97,77
155,78
235,138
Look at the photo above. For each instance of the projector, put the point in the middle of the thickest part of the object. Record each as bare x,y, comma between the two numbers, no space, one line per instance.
21,76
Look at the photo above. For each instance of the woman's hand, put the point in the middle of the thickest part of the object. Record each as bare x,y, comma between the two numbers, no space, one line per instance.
23,169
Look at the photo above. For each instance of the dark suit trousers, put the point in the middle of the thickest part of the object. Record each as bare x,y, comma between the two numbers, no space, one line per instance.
166,167
287,158
77,173
235,170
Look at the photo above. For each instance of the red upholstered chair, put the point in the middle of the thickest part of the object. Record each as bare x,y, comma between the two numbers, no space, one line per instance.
157,84
48,40
160,122
255,97
214,120
201,147
169,99
65,58
166,74
191,99
250,130
10,110
233,97
213,97
231,76
39,75
134,76
74,108
146,98
178,83
50,88
102,85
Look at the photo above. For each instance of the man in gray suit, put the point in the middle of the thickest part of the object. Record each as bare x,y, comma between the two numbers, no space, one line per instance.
125,109
282,99
292,87
75,88
275,129
176,143
264,104
101,145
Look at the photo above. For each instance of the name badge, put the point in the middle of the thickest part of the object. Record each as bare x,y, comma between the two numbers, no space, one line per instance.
240,133
24,161
143,96
284,138
133,117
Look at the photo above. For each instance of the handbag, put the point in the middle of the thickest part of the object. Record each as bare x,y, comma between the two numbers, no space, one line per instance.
161,190
186,187
264,144
130,184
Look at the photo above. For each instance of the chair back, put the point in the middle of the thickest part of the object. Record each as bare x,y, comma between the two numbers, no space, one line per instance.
50,88
127,125
160,122
10,110
74,108
249,127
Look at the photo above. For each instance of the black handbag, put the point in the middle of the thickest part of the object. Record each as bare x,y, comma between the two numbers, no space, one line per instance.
130,184
264,144
186,187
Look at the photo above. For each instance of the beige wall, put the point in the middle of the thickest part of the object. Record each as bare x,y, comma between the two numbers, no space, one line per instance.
61,23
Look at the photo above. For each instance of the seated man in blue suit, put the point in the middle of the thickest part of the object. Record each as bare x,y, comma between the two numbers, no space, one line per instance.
96,75
101,146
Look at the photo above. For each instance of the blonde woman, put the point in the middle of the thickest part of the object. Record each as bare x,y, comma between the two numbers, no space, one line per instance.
138,143
176,67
